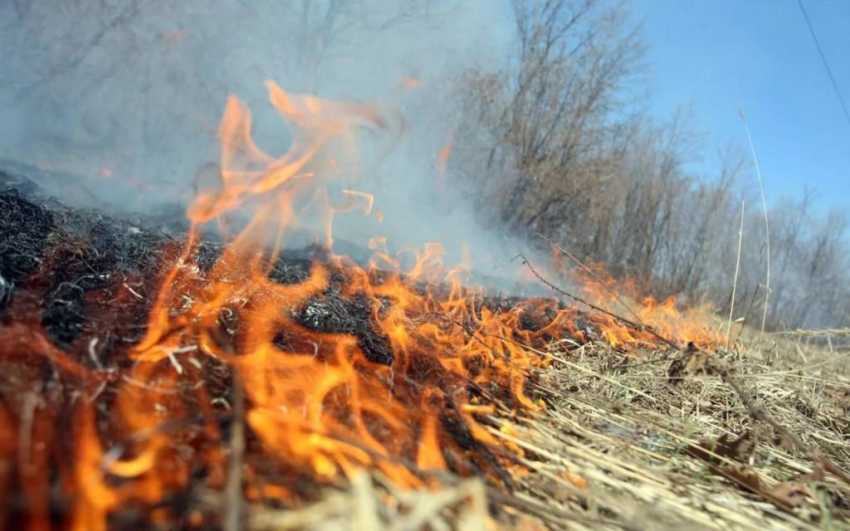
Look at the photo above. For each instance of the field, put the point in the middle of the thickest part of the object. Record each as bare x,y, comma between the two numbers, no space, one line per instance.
646,440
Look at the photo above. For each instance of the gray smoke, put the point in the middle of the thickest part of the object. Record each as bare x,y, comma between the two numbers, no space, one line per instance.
125,96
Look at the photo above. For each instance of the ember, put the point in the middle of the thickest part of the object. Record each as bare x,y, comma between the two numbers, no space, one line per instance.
126,354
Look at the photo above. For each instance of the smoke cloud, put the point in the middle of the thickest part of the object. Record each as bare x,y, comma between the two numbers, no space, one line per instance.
121,99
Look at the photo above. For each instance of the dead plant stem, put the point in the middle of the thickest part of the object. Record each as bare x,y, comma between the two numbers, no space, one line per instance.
735,279
747,398
628,322
766,223
233,489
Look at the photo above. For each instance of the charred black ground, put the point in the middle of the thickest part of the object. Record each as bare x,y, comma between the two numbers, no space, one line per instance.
88,279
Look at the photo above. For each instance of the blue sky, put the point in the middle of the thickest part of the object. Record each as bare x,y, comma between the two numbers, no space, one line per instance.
757,55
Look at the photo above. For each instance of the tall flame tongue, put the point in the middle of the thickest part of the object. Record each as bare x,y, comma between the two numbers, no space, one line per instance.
320,404
403,396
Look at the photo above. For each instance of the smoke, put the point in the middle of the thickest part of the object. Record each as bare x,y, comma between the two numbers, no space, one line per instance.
122,98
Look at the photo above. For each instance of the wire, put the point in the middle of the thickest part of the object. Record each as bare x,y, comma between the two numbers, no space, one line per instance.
825,62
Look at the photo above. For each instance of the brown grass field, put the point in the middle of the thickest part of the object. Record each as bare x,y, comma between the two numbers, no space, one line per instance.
653,440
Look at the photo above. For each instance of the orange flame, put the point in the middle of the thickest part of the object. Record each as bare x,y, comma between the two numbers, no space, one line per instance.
408,395
410,83
323,406
624,298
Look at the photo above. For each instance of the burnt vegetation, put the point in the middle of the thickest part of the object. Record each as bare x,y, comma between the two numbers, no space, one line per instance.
555,147
78,287
551,147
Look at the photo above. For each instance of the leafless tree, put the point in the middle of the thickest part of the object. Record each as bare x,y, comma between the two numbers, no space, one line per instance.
551,148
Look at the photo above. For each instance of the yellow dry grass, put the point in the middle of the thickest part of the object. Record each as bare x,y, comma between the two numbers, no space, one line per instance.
621,445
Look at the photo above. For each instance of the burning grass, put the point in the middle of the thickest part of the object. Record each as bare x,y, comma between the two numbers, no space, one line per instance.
158,382
98,439
621,446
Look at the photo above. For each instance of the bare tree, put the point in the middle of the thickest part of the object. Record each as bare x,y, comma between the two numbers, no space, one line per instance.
549,111
550,149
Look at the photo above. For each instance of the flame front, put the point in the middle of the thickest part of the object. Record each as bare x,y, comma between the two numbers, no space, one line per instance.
405,397
319,405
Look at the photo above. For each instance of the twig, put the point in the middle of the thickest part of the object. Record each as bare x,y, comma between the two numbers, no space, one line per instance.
735,280
544,511
134,292
84,51
93,353
623,320
766,224
30,403
233,489
758,412
815,332
593,275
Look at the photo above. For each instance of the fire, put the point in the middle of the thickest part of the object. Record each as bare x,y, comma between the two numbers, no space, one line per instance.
319,402
659,318
405,390
410,83
442,164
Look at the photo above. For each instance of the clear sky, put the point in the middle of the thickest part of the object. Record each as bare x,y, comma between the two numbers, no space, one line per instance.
757,55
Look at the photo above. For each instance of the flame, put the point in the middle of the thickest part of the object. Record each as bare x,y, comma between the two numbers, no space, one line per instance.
322,405
658,318
408,395
410,83
442,165
443,158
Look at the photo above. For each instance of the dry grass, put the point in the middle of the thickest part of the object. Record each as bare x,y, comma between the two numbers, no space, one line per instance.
643,444
621,445
373,503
